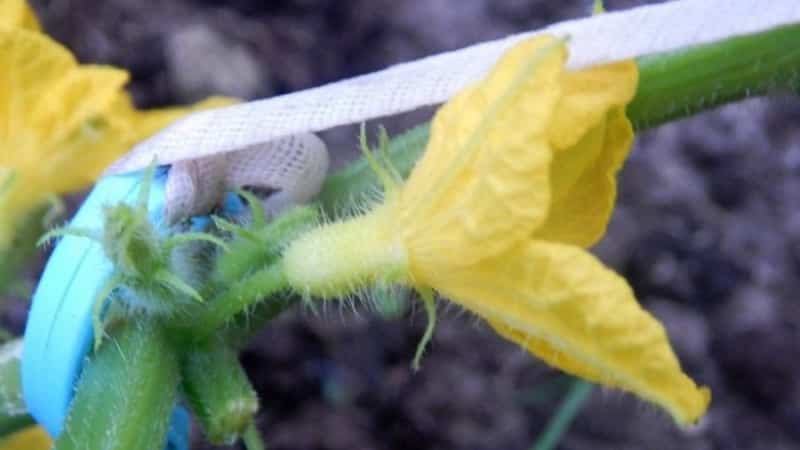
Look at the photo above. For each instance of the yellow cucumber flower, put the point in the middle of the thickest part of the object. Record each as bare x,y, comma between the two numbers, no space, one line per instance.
61,123
517,180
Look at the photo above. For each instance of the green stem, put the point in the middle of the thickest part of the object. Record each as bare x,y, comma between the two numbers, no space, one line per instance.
683,83
244,326
570,407
671,86
238,299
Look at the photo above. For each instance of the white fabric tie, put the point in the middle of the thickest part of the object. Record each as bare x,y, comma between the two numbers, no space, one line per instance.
593,40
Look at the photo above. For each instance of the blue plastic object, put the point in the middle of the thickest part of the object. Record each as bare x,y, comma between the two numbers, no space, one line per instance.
59,329
178,437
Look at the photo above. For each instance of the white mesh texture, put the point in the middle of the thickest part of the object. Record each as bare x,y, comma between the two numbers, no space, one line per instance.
194,186
294,167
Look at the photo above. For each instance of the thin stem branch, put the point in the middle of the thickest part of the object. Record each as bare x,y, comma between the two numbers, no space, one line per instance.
240,298
252,438
559,423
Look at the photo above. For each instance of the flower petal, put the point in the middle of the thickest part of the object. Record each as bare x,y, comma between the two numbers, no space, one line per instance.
88,152
588,95
44,94
566,307
483,183
84,93
83,157
31,64
17,14
583,181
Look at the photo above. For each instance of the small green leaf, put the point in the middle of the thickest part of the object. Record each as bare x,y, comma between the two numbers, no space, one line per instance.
256,208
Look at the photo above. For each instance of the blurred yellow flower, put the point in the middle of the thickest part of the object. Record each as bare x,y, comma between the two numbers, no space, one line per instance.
61,123
518,178
31,438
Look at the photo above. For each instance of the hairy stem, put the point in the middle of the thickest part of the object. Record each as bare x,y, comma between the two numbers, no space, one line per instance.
238,299
686,82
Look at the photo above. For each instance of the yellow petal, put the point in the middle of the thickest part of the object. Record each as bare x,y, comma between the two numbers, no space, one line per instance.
31,63
588,95
483,182
83,157
47,104
7,217
584,182
31,438
84,93
17,14
43,90
566,307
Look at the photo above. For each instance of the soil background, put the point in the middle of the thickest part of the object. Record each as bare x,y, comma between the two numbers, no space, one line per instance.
707,231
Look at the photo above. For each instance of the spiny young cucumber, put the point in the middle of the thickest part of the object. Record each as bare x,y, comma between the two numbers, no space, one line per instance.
219,392
126,393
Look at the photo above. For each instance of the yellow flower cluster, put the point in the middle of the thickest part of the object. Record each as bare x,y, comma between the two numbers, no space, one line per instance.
61,123
517,180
